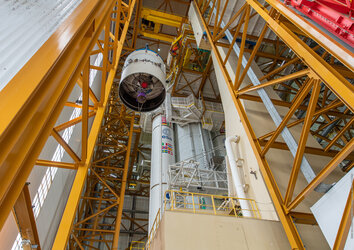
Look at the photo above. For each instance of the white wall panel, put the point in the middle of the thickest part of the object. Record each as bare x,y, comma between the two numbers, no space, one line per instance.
24,28
329,209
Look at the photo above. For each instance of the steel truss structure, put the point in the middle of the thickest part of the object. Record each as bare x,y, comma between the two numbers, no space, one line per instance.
316,89
200,72
94,210
25,220
187,175
98,216
32,113
314,81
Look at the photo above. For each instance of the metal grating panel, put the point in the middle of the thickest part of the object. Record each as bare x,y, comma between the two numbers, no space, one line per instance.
24,27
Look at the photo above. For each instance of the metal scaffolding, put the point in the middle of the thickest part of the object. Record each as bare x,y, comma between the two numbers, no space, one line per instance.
99,214
319,89
187,175
310,71
30,117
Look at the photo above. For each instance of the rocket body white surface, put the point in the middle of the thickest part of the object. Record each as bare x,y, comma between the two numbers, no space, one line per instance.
162,155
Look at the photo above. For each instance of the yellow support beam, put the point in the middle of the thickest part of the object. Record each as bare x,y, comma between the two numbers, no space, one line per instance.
316,71
334,80
162,17
158,36
56,164
65,226
30,115
25,220
288,224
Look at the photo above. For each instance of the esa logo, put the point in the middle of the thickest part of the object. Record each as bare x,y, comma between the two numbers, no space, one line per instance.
166,134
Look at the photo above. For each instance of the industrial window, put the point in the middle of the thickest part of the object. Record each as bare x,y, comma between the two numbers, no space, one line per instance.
48,178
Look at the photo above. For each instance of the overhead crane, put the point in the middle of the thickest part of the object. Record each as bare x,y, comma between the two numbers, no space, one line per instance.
151,29
31,115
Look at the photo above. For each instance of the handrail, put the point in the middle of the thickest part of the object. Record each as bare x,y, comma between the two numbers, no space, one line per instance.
198,203
137,245
153,229
220,205
324,76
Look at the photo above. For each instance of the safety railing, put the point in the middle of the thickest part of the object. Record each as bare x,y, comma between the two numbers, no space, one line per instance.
184,102
153,229
214,107
137,245
198,203
193,174
207,122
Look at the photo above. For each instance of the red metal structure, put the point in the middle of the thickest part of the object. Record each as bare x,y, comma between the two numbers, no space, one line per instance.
335,16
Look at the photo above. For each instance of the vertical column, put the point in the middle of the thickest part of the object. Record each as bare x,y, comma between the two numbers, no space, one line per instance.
162,155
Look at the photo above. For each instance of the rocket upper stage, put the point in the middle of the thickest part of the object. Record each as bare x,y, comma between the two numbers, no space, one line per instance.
143,81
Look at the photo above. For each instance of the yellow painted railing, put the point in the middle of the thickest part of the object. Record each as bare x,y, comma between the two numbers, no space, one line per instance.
137,245
153,229
198,203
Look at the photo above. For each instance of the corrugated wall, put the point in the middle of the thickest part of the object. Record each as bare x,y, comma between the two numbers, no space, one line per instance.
25,25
